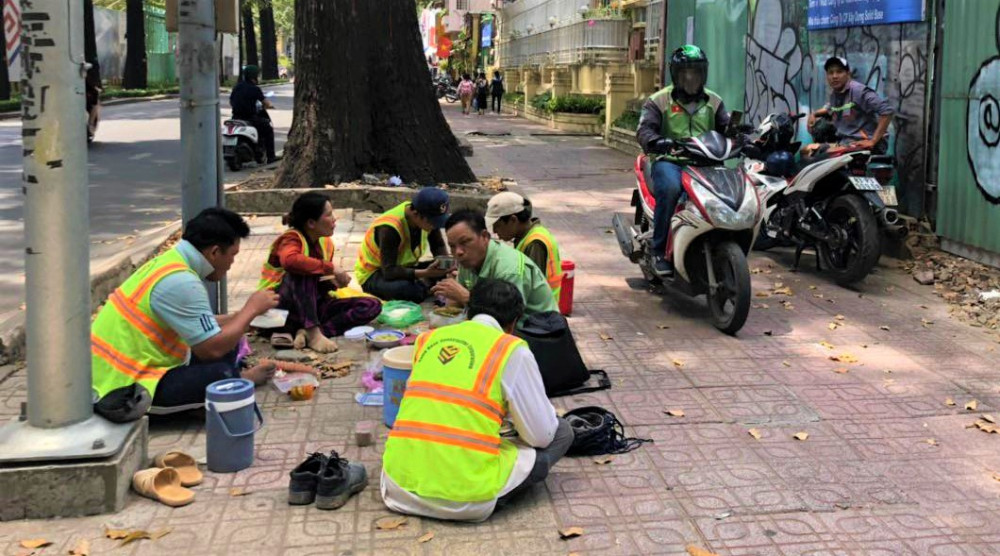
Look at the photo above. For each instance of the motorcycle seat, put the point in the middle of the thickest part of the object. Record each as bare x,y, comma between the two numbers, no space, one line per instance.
236,122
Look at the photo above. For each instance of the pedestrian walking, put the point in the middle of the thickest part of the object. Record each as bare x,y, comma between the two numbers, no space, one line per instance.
496,91
482,91
465,90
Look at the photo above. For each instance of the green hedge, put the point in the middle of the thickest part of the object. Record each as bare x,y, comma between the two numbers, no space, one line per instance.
541,102
114,92
628,120
12,105
570,104
513,98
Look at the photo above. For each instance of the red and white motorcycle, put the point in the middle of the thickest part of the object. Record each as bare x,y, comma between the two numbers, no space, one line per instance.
711,231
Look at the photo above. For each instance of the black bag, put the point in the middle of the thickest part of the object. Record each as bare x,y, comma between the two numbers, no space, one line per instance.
563,371
597,432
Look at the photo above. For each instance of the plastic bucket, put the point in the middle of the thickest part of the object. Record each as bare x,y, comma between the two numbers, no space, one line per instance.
231,419
396,366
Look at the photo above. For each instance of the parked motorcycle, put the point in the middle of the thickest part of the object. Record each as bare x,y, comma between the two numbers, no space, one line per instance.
93,105
240,141
444,88
711,231
834,201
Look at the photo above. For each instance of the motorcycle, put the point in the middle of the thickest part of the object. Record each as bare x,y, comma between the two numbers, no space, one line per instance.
711,231
443,88
836,201
240,141
93,105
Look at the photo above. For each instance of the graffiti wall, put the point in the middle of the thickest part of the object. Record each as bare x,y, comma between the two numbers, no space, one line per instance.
784,73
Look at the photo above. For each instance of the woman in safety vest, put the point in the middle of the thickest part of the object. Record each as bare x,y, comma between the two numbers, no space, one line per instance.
300,267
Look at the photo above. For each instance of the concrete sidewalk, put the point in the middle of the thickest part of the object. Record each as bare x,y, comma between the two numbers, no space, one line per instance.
888,466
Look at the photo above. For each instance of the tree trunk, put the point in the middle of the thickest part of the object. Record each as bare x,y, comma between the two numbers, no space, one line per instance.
135,46
250,35
268,43
90,43
364,100
4,75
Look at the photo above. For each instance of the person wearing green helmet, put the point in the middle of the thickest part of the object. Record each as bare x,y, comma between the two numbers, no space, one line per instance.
244,98
681,110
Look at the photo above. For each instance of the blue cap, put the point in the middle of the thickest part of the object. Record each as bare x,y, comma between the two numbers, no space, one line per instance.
432,203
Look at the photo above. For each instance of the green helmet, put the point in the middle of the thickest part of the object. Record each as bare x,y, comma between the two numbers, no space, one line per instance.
692,84
250,72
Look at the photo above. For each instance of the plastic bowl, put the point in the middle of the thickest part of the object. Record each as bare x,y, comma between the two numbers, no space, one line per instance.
383,342
445,262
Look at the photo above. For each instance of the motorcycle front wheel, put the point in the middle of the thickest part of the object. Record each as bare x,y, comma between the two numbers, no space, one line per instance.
858,251
451,99
730,303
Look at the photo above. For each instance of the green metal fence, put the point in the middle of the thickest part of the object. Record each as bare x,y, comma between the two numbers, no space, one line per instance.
968,211
160,61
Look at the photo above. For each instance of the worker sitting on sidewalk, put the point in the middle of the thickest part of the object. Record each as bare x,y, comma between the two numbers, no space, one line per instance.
445,458
387,258
300,267
508,215
157,342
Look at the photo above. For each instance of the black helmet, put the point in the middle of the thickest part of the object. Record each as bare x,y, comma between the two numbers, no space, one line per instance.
689,56
250,72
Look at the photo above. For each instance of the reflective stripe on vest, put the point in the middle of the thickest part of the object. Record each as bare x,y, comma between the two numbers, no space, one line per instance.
369,254
129,343
271,276
451,415
677,123
553,261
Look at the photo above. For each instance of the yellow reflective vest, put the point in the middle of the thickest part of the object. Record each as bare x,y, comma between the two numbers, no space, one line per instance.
369,254
553,262
271,276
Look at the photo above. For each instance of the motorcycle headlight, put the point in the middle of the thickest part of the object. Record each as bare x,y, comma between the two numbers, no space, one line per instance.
721,215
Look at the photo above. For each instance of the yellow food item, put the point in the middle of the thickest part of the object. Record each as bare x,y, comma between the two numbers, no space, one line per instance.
385,338
300,393
448,311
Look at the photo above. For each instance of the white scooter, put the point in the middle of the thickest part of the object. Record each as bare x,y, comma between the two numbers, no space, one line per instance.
240,141
711,232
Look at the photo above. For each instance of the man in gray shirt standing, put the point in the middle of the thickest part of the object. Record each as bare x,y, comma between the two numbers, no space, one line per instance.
861,117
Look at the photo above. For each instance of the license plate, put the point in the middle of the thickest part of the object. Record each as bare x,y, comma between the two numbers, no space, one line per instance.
229,141
865,184
888,195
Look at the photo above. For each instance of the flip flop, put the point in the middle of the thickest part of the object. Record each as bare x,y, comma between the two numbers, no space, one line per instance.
162,485
281,340
186,466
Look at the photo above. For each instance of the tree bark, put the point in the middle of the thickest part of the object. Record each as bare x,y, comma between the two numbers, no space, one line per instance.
250,34
4,75
364,100
90,43
268,43
135,46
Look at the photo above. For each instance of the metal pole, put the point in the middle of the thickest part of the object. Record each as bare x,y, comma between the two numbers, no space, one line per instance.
222,302
60,421
199,89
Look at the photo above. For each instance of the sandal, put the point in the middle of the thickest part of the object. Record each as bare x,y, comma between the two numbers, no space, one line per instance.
281,340
162,485
186,466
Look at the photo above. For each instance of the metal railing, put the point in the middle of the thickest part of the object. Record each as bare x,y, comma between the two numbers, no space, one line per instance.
585,41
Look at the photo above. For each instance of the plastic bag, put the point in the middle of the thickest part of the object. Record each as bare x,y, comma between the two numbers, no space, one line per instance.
286,381
400,314
348,293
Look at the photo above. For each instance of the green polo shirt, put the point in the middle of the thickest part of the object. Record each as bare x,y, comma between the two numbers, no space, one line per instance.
503,262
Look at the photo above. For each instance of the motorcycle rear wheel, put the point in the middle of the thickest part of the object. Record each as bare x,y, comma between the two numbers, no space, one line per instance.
730,304
851,263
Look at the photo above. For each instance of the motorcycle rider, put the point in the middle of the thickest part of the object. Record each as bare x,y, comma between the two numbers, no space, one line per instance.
860,116
244,98
683,109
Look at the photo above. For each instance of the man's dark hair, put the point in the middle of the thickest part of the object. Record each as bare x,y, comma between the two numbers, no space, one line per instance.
215,226
472,218
498,299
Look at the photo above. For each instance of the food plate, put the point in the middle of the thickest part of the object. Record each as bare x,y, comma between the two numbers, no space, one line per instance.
385,338
273,318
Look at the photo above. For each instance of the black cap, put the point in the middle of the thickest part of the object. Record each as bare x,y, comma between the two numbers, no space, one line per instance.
432,203
836,61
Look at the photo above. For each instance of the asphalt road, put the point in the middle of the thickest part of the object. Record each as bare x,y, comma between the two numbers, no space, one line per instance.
134,169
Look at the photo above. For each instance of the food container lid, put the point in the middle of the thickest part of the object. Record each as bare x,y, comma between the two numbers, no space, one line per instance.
358,332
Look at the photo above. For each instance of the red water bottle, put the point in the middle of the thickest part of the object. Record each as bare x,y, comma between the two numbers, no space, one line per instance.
566,294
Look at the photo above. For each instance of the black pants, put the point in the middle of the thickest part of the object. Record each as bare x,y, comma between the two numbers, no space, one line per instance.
265,135
183,388
497,99
545,458
404,290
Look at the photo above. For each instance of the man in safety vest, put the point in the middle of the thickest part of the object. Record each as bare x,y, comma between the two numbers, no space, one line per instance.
445,458
480,257
684,109
387,258
508,215
157,343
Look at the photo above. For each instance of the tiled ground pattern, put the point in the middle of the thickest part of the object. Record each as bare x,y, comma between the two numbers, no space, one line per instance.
868,480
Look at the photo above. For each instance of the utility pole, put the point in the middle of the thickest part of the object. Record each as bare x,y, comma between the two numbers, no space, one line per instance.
59,421
199,88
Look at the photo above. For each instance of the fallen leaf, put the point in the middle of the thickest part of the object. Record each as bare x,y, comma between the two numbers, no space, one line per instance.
784,291
238,491
663,326
755,434
693,550
996,476
603,460
427,537
931,441
839,317
390,523
762,294
818,295
787,305
761,306
800,435
887,371
134,536
949,401
842,370
82,548
827,345
159,533
605,337
884,327
115,534
971,406
675,412
35,543
570,533
926,322
988,418
813,287
786,363
768,333
844,358
833,326
678,363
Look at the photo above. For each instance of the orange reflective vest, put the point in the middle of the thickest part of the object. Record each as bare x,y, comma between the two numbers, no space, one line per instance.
271,276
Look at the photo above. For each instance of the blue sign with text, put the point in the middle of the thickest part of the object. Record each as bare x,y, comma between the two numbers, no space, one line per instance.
828,14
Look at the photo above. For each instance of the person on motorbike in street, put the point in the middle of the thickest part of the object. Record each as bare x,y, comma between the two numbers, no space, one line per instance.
244,98
860,117
682,110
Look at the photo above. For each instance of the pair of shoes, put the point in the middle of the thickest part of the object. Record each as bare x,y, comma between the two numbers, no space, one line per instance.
328,480
167,482
662,266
